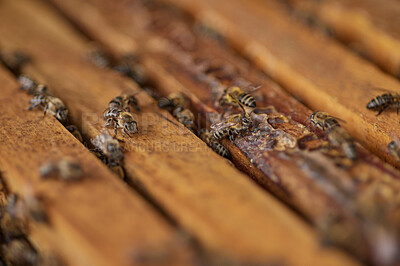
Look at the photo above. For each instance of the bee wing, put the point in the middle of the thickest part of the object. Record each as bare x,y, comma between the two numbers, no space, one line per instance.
251,88
222,125
339,119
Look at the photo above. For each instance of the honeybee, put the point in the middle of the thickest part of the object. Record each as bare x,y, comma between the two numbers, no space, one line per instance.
384,101
232,126
51,104
185,117
394,149
234,96
19,252
172,101
114,167
75,132
66,168
339,137
323,120
205,135
125,121
124,102
109,146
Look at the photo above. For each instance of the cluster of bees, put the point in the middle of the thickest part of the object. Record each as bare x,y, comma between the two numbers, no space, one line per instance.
118,116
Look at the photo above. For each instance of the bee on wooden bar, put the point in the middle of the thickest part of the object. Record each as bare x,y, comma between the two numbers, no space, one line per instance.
340,138
75,132
185,117
114,167
66,169
206,136
109,146
323,120
125,121
394,149
51,104
172,101
384,101
234,96
124,102
19,252
232,126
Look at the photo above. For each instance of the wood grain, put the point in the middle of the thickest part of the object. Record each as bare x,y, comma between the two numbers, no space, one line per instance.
103,227
226,212
170,62
366,26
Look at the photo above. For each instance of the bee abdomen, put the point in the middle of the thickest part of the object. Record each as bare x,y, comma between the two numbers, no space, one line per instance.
331,123
381,100
164,102
219,134
247,100
220,150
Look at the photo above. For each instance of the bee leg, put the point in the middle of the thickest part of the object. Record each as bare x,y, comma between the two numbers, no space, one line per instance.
45,109
115,129
137,128
33,106
382,109
397,107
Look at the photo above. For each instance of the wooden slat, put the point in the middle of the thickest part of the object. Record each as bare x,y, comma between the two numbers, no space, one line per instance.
225,211
96,221
368,26
169,63
323,74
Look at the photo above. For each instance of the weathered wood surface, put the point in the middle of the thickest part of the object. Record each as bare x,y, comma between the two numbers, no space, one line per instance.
169,59
370,27
323,74
225,212
103,227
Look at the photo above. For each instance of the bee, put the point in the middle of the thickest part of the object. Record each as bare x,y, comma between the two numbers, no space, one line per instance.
125,121
232,126
172,101
384,101
51,104
185,117
19,252
394,149
75,132
124,102
109,146
339,137
14,61
114,167
234,96
205,135
323,120
66,169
